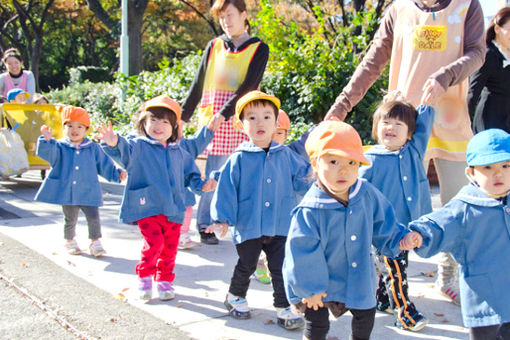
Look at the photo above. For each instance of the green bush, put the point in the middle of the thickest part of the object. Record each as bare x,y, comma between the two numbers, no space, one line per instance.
94,74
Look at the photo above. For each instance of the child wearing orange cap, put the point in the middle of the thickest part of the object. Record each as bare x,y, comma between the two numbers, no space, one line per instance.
72,182
328,262
154,196
255,195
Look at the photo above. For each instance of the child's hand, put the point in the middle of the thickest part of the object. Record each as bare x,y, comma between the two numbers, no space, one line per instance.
410,241
46,132
107,135
223,227
123,175
315,301
210,185
215,122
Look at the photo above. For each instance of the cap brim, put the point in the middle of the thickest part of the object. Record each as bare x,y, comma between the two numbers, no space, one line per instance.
354,156
272,99
489,159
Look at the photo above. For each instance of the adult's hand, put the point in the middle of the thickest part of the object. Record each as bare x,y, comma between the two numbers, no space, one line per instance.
432,92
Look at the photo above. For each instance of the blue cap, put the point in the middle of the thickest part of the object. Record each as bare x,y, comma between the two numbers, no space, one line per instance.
14,92
488,147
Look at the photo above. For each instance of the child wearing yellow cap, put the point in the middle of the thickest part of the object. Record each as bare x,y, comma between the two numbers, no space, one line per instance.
255,195
72,182
328,262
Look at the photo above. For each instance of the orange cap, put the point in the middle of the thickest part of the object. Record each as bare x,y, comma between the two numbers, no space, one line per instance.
166,102
249,97
75,114
283,120
338,138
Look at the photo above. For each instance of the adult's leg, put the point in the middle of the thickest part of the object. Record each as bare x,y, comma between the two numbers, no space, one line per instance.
317,323
504,331
362,323
248,252
93,221
70,219
213,163
483,333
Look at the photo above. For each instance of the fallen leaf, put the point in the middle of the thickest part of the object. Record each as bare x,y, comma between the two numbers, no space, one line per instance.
121,297
445,321
53,253
125,289
429,274
180,305
269,322
332,338
112,320
24,265
206,294
439,315
71,264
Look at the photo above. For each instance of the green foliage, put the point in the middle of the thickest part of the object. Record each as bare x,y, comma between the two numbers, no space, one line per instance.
94,74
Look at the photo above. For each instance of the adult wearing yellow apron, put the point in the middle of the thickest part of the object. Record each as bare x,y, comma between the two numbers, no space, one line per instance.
434,45
232,65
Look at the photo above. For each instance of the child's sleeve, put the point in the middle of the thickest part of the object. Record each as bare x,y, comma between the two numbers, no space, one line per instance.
121,153
224,201
367,171
387,231
105,166
305,270
442,230
197,144
299,145
301,180
192,176
47,150
424,123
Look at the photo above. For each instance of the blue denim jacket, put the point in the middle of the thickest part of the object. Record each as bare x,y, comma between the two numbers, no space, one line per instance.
72,179
400,175
475,229
256,191
157,178
329,245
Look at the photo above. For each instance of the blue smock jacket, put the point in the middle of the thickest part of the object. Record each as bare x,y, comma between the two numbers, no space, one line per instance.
195,146
157,178
329,245
475,229
400,175
256,190
72,179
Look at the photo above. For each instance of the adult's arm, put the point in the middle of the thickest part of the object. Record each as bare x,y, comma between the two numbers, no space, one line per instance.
478,81
2,84
251,82
195,92
473,53
368,70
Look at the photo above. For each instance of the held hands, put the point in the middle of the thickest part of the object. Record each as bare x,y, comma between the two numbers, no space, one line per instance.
223,227
46,132
123,175
315,301
210,185
410,241
215,122
107,135
432,92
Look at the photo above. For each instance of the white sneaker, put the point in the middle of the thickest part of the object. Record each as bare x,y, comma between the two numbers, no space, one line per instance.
72,247
288,319
237,306
96,249
185,242
165,290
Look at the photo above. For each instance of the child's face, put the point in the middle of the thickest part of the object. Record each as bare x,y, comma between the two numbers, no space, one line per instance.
158,129
20,99
75,131
280,136
259,123
337,173
494,178
392,133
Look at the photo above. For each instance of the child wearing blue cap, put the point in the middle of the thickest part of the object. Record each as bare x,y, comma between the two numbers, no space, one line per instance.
475,228
18,96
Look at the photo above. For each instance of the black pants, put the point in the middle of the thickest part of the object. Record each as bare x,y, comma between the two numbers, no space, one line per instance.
249,252
496,332
317,323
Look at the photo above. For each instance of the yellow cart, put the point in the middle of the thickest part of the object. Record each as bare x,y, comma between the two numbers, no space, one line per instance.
30,118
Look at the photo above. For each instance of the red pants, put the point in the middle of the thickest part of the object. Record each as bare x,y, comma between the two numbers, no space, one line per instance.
161,238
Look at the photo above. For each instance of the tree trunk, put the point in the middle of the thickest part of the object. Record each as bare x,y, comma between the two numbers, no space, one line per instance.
136,10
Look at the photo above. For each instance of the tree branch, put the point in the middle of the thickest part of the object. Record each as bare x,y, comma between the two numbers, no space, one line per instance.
96,7
209,22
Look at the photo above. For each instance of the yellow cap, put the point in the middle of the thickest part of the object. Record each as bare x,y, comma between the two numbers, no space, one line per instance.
249,97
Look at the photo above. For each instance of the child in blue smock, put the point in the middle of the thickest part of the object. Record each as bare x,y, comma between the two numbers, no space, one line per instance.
159,172
328,262
255,195
475,228
72,181
397,170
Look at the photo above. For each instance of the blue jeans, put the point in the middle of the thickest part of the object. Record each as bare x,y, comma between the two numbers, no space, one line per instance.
213,163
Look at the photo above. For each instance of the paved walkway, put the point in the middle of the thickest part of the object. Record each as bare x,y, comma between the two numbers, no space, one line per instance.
202,274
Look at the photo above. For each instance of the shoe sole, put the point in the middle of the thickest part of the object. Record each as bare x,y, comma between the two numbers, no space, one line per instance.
99,254
416,328
447,295
146,296
291,324
235,313
166,298
186,246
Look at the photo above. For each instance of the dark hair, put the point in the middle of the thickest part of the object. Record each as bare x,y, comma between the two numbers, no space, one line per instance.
220,5
260,102
499,19
396,109
158,113
11,52
38,97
